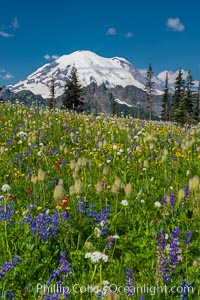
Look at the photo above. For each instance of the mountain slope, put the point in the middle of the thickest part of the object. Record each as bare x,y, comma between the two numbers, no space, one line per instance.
91,68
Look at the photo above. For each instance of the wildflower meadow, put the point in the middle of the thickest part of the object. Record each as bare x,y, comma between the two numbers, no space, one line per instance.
97,207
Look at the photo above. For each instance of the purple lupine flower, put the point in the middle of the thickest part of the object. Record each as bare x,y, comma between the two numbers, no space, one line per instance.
161,239
185,290
55,296
102,219
110,243
142,297
188,237
165,269
7,266
10,295
81,205
129,283
186,189
100,295
64,269
43,225
90,212
6,212
172,200
60,274
173,253
164,200
163,261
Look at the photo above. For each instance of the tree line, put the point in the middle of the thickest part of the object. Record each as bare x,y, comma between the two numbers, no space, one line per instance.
182,105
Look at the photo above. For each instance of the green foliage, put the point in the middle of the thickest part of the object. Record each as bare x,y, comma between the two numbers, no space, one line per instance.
73,92
185,106
132,166
52,94
166,105
196,107
149,89
178,96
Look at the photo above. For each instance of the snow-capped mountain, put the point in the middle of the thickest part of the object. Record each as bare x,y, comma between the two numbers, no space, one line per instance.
91,68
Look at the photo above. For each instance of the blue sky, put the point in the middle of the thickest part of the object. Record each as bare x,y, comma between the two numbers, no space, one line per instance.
163,33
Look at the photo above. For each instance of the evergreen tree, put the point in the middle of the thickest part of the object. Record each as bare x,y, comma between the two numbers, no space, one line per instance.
72,97
166,106
52,94
1,99
178,95
190,98
113,105
185,111
149,89
196,107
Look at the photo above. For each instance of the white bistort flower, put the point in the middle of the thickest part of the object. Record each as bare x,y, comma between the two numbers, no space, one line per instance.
88,255
124,202
157,204
5,187
96,256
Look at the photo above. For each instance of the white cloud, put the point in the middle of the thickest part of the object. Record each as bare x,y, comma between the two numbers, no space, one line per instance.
51,57
15,24
47,56
175,24
4,28
171,76
6,34
111,31
54,56
5,75
128,34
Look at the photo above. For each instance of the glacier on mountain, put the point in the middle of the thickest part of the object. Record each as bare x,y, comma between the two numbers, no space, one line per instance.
91,68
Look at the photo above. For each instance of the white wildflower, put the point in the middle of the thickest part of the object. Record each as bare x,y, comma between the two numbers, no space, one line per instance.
124,202
96,256
5,187
21,134
97,232
88,255
142,201
39,153
157,204
116,236
102,223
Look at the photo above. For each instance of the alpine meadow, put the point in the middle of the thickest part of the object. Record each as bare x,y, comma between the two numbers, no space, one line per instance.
95,206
